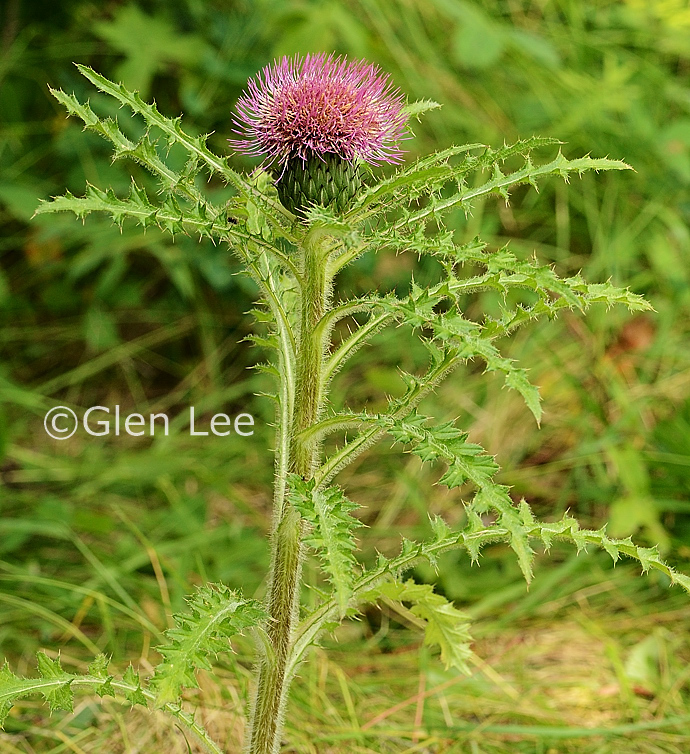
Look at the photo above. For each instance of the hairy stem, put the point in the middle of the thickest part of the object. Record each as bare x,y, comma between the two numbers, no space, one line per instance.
308,397
271,692
286,557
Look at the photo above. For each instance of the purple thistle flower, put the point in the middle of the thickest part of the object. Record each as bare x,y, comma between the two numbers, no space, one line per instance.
317,105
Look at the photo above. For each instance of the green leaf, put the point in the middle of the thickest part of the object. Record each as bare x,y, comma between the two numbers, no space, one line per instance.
328,512
500,183
137,206
473,538
681,579
215,614
445,626
133,694
171,128
8,682
517,380
418,311
495,498
466,462
144,151
427,177
60,696
56,686
99,669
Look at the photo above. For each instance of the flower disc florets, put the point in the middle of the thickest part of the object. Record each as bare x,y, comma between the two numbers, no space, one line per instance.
317,105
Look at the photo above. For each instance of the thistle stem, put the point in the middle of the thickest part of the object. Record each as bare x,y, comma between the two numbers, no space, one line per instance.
284,591
310,356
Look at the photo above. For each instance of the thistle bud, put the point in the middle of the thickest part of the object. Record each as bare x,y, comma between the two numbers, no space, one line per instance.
329,181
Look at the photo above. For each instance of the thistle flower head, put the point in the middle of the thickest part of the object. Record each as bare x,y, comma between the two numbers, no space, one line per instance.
317,105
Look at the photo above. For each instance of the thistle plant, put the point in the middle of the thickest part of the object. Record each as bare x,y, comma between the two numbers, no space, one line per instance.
311,209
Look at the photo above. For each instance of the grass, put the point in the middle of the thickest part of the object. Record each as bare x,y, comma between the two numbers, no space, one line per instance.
594,661
100,541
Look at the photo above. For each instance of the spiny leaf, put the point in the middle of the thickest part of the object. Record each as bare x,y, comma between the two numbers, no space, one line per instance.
194,145
445,441
8,681
99,669
473,538
517,380
215,614
328,512
133,694
13,688
169,126
499,184
427,176
144,151
477,534
55,685
137,206
568,529
418,310
504,270
60,696
445,626
681,579
466,462
611,294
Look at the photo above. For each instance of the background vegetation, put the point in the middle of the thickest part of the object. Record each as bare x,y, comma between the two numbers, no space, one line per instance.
100,539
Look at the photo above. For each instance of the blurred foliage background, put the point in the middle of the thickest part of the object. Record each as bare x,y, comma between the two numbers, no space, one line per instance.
101,538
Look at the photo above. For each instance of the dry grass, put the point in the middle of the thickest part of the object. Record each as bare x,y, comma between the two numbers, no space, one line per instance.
601,667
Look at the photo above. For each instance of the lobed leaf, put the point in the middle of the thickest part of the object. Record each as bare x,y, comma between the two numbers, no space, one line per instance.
143,152
328,513
195,146
468,336
171,127
500,183
476,535
60,695
132,690
8,683
169,216
444,625
466,462
56,686
428,175
99,669
415,109
215,614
